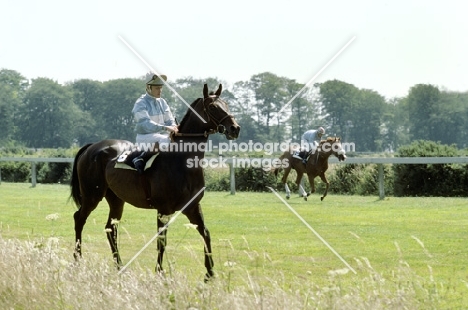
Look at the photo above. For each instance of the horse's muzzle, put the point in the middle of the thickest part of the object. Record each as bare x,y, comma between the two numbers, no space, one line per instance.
232,132
341,157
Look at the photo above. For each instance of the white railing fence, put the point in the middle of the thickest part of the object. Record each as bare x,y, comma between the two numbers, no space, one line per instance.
380,161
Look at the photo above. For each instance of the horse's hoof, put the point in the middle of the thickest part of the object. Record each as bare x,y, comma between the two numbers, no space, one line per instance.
76,256
208,277
321,198
118,265
287,197
160,271
305,198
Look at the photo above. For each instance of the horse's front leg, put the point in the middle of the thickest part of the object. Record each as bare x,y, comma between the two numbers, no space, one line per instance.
195,217
209,264
161,244
327,184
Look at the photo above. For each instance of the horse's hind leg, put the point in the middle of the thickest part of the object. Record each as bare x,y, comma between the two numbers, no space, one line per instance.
161,244
302,192
115,214
287,190
88,204
284,180
195,217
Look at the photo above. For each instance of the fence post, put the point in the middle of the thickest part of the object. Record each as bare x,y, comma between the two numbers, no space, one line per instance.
33,174
381,182
232,177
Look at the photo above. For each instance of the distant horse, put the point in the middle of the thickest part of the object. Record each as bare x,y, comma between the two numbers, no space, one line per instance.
172,180
314,166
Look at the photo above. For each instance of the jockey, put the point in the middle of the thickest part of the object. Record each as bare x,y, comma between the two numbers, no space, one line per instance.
310,141
153,117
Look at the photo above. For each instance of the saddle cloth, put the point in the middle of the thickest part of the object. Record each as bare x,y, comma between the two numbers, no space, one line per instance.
125,160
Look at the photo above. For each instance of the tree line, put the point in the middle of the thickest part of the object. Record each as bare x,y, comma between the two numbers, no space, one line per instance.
41,113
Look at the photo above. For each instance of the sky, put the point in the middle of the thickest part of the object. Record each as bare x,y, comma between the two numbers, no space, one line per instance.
385,46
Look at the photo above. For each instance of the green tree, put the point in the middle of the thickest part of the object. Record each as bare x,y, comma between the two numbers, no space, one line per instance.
423,101
89,96
12,89
190,89
366,118
241,107
338,99
449,119
271,94
304,109
114,120
7,106
14,79
357,115
48,115
395,124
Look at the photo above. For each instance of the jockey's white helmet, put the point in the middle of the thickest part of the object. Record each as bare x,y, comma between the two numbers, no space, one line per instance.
152,78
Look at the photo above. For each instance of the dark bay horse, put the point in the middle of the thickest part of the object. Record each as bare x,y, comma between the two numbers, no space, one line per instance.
314,166
171,181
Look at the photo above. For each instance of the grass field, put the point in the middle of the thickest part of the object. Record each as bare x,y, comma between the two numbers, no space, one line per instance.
396,245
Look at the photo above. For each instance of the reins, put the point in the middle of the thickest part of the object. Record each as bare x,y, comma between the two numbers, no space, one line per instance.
204,134
219,128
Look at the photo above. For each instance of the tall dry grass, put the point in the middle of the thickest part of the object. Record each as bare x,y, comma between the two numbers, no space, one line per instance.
42,275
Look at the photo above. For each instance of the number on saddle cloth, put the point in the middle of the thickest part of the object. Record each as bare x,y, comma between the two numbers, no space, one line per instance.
127,157
123,157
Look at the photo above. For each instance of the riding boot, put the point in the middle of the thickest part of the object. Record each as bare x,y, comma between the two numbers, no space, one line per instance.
139,163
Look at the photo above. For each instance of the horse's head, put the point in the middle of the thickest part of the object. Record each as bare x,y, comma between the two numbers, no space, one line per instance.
217,114
333,146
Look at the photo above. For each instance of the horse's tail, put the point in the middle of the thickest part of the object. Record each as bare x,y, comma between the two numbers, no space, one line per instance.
75,182
276,170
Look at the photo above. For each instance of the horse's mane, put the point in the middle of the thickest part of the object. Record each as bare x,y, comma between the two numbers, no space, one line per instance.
193,107
188,111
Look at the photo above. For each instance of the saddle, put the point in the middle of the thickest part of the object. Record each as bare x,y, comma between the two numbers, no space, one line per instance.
305,155
126,160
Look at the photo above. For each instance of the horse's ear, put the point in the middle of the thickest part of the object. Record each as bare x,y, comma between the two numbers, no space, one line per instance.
205,91
220,89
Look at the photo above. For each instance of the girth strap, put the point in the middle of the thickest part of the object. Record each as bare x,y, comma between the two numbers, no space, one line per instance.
147,189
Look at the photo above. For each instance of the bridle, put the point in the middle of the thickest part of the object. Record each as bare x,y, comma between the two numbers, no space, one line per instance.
220,128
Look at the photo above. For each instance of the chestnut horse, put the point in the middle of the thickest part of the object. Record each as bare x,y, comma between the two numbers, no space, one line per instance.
314,166
172,181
